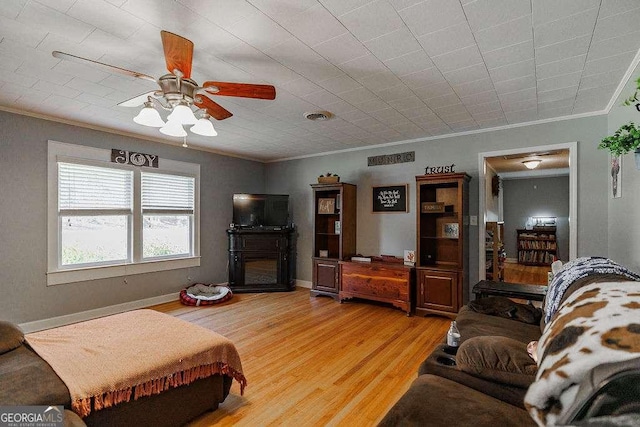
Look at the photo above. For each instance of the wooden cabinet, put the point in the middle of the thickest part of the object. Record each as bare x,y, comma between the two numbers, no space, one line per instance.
326,276
384,282
438,291
442,247
537,246
261,260
494,250
334,234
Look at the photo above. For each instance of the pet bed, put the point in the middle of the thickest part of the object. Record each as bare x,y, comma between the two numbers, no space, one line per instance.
202,294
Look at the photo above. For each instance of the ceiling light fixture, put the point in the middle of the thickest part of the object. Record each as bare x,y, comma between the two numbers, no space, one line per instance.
149,116
204,126
173,128
181,114
532,164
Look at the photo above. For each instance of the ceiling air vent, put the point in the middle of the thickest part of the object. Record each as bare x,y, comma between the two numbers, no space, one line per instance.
318,115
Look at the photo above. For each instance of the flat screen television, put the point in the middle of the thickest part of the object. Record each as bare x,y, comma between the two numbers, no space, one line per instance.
260,210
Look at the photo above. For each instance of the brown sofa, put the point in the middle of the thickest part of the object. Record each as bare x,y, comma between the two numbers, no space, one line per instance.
485,381
482,394
26,379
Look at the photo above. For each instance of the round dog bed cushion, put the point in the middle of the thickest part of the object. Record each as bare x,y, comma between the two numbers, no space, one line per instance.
203,294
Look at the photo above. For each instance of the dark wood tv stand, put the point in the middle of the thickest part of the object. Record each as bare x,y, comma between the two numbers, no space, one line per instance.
261,259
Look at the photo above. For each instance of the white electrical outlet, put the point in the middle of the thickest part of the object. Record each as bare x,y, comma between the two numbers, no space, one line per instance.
473,220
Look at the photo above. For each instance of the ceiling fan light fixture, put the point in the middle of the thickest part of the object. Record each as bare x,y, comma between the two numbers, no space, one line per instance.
173,128
182,114
204,127
532,164
149,116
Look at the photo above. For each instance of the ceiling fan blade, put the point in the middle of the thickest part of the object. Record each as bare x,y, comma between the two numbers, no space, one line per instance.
106,67
137,101
244,90
214,110
178,53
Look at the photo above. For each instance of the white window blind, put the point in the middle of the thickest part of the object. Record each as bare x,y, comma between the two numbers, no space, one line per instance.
83,187
162,193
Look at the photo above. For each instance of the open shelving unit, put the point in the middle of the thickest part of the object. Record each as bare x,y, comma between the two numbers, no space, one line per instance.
441,242
334,234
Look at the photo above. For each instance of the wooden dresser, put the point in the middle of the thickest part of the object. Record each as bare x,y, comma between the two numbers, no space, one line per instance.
378,281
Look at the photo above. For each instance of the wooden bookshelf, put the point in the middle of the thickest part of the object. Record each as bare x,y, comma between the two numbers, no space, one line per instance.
442,248
334,234
537,246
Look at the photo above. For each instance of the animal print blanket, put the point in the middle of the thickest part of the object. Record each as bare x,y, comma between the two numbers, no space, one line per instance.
578,269
598,323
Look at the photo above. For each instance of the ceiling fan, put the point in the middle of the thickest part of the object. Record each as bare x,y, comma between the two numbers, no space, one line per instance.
178,92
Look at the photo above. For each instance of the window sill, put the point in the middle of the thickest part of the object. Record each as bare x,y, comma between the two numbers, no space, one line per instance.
103,272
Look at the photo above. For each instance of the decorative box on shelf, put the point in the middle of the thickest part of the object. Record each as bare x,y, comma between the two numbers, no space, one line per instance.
331,179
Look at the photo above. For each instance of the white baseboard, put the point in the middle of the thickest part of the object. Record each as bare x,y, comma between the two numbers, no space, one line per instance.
54,322
303,283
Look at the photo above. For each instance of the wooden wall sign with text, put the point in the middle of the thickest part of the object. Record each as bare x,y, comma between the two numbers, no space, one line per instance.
125,157
430,170
390,159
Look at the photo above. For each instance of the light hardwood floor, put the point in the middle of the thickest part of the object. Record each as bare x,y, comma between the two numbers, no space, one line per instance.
311,361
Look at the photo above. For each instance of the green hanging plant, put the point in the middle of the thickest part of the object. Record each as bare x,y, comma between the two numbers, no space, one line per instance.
634,99
623,141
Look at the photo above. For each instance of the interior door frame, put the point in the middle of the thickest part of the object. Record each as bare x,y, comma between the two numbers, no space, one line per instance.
573,195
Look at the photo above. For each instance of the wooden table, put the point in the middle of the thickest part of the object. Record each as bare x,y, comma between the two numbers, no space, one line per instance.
378,281
486,288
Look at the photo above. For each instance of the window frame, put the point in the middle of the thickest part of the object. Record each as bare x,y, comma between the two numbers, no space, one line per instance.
72,153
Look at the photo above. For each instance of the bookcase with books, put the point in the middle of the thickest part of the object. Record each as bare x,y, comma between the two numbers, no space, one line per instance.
537,246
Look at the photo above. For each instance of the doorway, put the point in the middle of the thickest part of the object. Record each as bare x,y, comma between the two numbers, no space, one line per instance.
500,167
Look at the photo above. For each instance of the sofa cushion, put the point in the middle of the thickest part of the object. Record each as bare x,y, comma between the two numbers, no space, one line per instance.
514,395
436,401
504,307
497,359
26,379
472,324
11,336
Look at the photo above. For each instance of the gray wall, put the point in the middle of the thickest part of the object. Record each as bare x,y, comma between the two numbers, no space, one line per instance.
536,197
624,227
23,220
391,233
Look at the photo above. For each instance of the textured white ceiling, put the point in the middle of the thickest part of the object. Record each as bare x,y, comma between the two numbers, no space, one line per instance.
390,70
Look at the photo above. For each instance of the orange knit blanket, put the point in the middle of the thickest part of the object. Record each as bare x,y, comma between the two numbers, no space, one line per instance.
109,360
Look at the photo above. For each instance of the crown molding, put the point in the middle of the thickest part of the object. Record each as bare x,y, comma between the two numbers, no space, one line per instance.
448,135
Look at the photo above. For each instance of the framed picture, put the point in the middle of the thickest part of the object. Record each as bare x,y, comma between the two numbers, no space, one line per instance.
450,230
390,198
326,206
